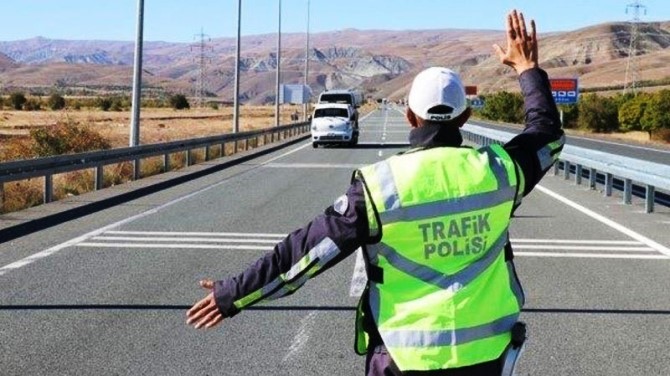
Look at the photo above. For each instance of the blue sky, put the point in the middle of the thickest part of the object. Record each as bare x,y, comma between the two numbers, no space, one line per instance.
181,20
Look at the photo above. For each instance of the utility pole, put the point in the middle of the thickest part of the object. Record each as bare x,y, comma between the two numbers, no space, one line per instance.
202,61
632,66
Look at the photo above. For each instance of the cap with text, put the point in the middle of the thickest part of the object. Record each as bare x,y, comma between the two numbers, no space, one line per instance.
434,87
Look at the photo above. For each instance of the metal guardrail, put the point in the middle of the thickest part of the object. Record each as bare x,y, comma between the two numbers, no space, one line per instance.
47,167
591,163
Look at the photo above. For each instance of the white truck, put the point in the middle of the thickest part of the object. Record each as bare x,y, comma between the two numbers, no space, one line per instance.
334,123
350,97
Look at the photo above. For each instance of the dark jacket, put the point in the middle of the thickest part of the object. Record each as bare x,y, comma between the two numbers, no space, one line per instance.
345,223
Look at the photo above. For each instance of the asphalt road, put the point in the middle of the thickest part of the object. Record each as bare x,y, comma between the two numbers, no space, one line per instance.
106,294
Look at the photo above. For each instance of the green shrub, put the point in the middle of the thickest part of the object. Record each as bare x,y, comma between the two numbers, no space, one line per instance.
504,106
179,102
56,102
656,116
598,114
17,100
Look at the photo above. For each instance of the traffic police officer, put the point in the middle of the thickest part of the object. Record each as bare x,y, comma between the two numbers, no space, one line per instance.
442,296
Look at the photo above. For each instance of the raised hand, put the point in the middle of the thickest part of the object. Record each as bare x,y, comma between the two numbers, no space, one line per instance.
521,53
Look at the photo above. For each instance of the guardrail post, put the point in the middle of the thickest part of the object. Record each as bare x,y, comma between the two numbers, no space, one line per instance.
649,200
188,157
207,149
136,169
592,178
166,162
246,144
99,175
627,191
609,182
2,197
566,171
48,195
578,174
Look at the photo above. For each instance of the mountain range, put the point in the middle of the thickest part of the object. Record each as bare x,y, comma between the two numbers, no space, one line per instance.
381,63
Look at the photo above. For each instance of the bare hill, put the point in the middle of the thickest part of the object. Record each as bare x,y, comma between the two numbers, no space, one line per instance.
381,63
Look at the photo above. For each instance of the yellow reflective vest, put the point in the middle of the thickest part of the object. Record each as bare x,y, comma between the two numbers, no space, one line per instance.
446,297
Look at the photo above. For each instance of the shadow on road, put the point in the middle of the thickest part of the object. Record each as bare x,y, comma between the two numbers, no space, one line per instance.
180,307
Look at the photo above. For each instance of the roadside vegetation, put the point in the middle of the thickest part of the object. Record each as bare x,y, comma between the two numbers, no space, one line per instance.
42,126
644,112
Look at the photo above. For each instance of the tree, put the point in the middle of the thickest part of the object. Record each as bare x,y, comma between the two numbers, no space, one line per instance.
179,102
56,102
17,99
631,112
504,106
657,113
598,114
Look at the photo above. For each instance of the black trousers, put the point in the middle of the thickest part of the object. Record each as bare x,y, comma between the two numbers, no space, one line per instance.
378,362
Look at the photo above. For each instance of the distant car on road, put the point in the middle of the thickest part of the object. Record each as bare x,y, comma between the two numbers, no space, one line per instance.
334,123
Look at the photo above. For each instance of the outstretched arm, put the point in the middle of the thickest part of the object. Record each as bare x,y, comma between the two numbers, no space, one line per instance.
541,142
303,254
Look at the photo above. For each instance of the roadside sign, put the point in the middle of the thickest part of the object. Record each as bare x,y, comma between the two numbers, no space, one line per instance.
294,94
470,90
476,103
564,90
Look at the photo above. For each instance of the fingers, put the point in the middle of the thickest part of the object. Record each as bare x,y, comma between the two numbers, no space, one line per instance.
515,25
204,313
511,34
207,283
522,27
197,307
533,33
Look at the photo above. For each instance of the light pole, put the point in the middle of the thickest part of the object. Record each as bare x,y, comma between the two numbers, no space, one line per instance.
137,77
236,111
278,67
305,107
134,138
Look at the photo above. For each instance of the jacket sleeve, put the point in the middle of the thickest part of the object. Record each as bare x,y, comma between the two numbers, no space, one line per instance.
539,145
303,254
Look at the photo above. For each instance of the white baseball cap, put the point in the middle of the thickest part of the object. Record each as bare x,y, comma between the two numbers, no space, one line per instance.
437,86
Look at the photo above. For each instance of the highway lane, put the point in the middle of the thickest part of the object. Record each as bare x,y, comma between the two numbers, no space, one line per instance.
108,293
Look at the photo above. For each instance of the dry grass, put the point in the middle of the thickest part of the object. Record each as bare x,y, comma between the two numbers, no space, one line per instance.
156,125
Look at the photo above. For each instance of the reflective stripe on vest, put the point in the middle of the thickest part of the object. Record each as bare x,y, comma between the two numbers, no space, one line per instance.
448,298
295,277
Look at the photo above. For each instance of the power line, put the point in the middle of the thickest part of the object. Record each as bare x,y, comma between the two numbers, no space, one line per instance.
632,67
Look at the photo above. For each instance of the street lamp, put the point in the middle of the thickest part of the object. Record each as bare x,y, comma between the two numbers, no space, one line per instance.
305,106
278,67
236,111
